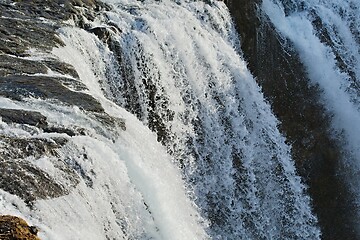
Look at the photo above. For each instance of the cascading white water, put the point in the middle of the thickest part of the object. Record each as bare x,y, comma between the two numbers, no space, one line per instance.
326,35
175,66
128,189
182,76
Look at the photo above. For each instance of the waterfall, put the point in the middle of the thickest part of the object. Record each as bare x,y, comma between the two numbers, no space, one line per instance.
181,74
128,187
201,156
326,36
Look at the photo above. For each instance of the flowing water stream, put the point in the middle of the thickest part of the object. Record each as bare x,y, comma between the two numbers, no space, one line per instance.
183,77
326,36
202,156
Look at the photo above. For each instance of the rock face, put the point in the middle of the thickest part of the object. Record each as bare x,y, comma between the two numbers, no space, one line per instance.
304,121
19,86
15,228
23,117
25,26
24,179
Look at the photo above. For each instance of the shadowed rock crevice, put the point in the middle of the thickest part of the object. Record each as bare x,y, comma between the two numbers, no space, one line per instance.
304,121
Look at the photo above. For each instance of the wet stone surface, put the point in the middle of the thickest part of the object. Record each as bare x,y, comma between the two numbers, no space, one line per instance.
10,65
23,117
21,177
19,86
20,34
28,27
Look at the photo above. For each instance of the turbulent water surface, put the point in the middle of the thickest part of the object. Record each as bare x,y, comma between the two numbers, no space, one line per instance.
202,156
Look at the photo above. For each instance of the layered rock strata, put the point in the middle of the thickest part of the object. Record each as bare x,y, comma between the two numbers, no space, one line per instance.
29,28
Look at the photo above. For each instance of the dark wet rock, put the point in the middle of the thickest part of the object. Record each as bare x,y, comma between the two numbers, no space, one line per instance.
33,24
82,3
26,181
26,147
94,5
21,34
304,121
24,26
84,9
16,228
105,33
36,119
67,131
21,177
110,122
52,10
73,84
60,141
102,33
55,10
60,67
10,65
19,86
23,117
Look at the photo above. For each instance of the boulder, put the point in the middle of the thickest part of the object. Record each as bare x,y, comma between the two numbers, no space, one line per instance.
16,228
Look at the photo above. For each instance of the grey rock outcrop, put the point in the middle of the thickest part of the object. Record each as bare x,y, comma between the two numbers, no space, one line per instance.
26,25
19,86
23,117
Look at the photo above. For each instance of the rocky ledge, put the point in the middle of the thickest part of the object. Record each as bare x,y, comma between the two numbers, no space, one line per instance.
15,228
27,27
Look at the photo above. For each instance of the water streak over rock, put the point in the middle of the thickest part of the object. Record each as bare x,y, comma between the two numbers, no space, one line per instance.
296,102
